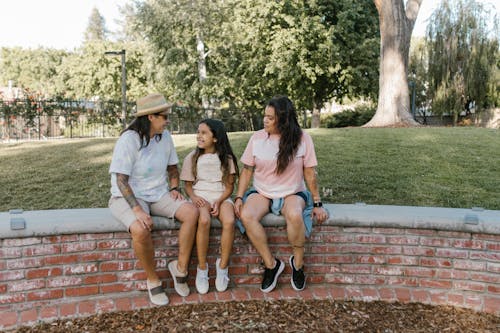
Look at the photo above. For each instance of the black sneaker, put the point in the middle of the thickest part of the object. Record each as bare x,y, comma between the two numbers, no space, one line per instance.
298,279
271,276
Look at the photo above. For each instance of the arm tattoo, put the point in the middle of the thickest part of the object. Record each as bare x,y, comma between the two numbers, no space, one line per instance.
128,194
173,175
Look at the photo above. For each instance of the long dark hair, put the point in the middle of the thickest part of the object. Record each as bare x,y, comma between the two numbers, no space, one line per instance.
289,129
222,148
142,126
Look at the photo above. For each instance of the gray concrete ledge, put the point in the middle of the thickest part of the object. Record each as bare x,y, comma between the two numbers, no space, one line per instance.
99,220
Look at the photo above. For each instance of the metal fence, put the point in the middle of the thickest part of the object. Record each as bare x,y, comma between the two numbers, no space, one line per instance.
28,119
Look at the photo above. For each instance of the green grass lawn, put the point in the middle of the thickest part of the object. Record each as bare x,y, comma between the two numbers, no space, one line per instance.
441,167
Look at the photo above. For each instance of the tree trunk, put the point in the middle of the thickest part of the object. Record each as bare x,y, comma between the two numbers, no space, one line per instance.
316,116
202,71
396,26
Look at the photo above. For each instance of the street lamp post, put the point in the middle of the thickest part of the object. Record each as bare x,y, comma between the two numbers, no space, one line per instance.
124,84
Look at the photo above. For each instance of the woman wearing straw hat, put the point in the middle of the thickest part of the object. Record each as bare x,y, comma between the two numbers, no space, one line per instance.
144,181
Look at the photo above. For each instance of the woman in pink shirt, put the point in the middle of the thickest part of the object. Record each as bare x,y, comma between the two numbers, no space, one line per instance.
281,160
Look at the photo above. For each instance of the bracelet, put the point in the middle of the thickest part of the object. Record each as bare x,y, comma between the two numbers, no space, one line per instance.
174,189
238,198
318,204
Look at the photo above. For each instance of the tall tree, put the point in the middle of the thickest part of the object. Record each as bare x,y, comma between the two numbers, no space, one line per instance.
397,20
463,55
96,28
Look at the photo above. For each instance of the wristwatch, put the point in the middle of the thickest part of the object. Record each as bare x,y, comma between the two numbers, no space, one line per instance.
318,204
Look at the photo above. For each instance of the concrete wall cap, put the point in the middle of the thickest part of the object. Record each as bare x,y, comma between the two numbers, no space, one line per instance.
100,220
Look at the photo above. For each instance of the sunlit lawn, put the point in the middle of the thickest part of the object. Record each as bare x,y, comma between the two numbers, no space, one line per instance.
443,167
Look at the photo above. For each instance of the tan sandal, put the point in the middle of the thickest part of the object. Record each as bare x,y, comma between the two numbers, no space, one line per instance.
157,295
180,280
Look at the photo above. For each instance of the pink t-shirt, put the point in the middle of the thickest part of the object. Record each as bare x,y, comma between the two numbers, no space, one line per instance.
262,152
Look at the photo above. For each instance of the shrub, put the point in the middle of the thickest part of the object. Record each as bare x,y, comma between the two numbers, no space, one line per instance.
357,117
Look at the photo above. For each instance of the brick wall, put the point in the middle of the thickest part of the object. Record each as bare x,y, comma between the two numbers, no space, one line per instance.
59,276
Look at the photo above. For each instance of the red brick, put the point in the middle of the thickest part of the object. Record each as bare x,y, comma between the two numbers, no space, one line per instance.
490,278
438,284
356,269
124,255
467,285
387,294
116,266
490,256
419,271
403,295
114,244
46,294
28,316
100,278
97,256
43,272
48,312
386,270
419,251
41,250
386,250
3,288
456,299
123,304
469,265
492,305
12,298
239,294
438,297
64,281
10,252
80,269
11,275
25,285
68,309
140,302
8,319
338,259
493,246
21,241
86,308
370,259
81,291
354,293
407,240
24,263
452,253
85,237
420,296
59,239
78,246
105,305
61,259
469,244
117,287
493,267
435,262
494,289
321,292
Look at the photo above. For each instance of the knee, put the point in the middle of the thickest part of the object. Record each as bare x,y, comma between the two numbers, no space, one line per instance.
247,217
188,213
227,223
294,219
204,222
139,234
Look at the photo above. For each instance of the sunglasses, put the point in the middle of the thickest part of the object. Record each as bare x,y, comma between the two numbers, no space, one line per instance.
164,116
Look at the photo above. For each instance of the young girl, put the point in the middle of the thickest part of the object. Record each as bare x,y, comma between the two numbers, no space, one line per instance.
209,173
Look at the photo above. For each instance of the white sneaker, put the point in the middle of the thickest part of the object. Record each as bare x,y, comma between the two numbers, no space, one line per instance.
222,278
202,280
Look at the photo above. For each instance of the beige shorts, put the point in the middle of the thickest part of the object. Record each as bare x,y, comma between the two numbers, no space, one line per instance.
210,196
121,210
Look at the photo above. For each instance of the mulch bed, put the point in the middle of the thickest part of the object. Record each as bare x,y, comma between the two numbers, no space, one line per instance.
282,316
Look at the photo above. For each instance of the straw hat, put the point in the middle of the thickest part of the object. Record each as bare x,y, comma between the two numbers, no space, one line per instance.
152,103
